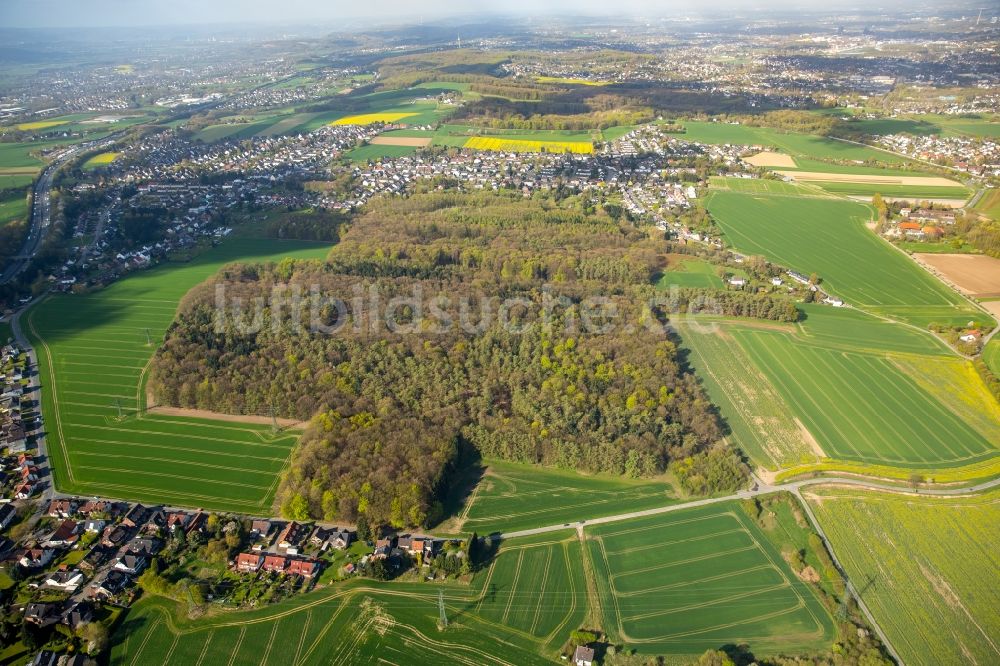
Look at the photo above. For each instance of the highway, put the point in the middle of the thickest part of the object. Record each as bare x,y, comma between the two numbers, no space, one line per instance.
41,209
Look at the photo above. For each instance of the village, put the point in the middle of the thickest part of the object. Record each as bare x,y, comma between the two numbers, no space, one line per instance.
79,562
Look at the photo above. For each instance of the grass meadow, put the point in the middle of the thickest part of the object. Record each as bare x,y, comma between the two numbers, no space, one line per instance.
697,579
13,208
378,152
931,560
687,271
513,496
93,352
865,271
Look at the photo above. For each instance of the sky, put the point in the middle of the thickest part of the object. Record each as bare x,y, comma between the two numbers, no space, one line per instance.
112,13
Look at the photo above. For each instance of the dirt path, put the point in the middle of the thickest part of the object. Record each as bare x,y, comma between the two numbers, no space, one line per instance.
216,416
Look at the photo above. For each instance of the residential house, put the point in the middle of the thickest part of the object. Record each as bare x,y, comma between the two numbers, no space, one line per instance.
136,516
25,490
144,546
67,581
131,564
248,562
41,614
36,558
274,563
77,614
331,537
45,658
109,585
96,558
62,508
66,534
95,525
583,656
178,520
114,536
971,336
304,568
7,515
290,536
260,528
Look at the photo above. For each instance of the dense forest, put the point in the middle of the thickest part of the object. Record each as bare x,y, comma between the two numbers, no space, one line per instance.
420,357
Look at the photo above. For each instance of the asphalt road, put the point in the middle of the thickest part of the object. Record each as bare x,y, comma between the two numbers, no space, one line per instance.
41,208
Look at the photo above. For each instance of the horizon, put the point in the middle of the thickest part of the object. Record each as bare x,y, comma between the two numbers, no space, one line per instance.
63,14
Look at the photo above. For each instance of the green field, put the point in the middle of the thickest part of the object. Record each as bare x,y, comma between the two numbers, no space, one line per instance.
914,191
875,408
760,421
865,271
794,144
519,610
932,247
5,332
925,125
989,204
686,271
514,496
698,579
93,353
762,186
991,355
933,562
846,386
13,208
378,152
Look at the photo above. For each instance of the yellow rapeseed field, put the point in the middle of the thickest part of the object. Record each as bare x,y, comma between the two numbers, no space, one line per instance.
40,124
101,160
525,146
369,118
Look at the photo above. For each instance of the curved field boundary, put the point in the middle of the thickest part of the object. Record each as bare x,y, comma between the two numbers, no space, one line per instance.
736,594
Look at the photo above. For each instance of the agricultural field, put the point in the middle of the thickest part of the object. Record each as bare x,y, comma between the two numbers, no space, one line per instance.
794,394
93,353
805,145
506,144
867,407
40,125
883,183
103,159
684,582
535,587
13,208
989,204
991,355
370,118
925,125
928,559
512,497
976,275
760,422
865,271
687,271
762,186
378,152
520,609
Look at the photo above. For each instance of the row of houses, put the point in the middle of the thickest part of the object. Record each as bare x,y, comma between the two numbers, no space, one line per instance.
12,429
